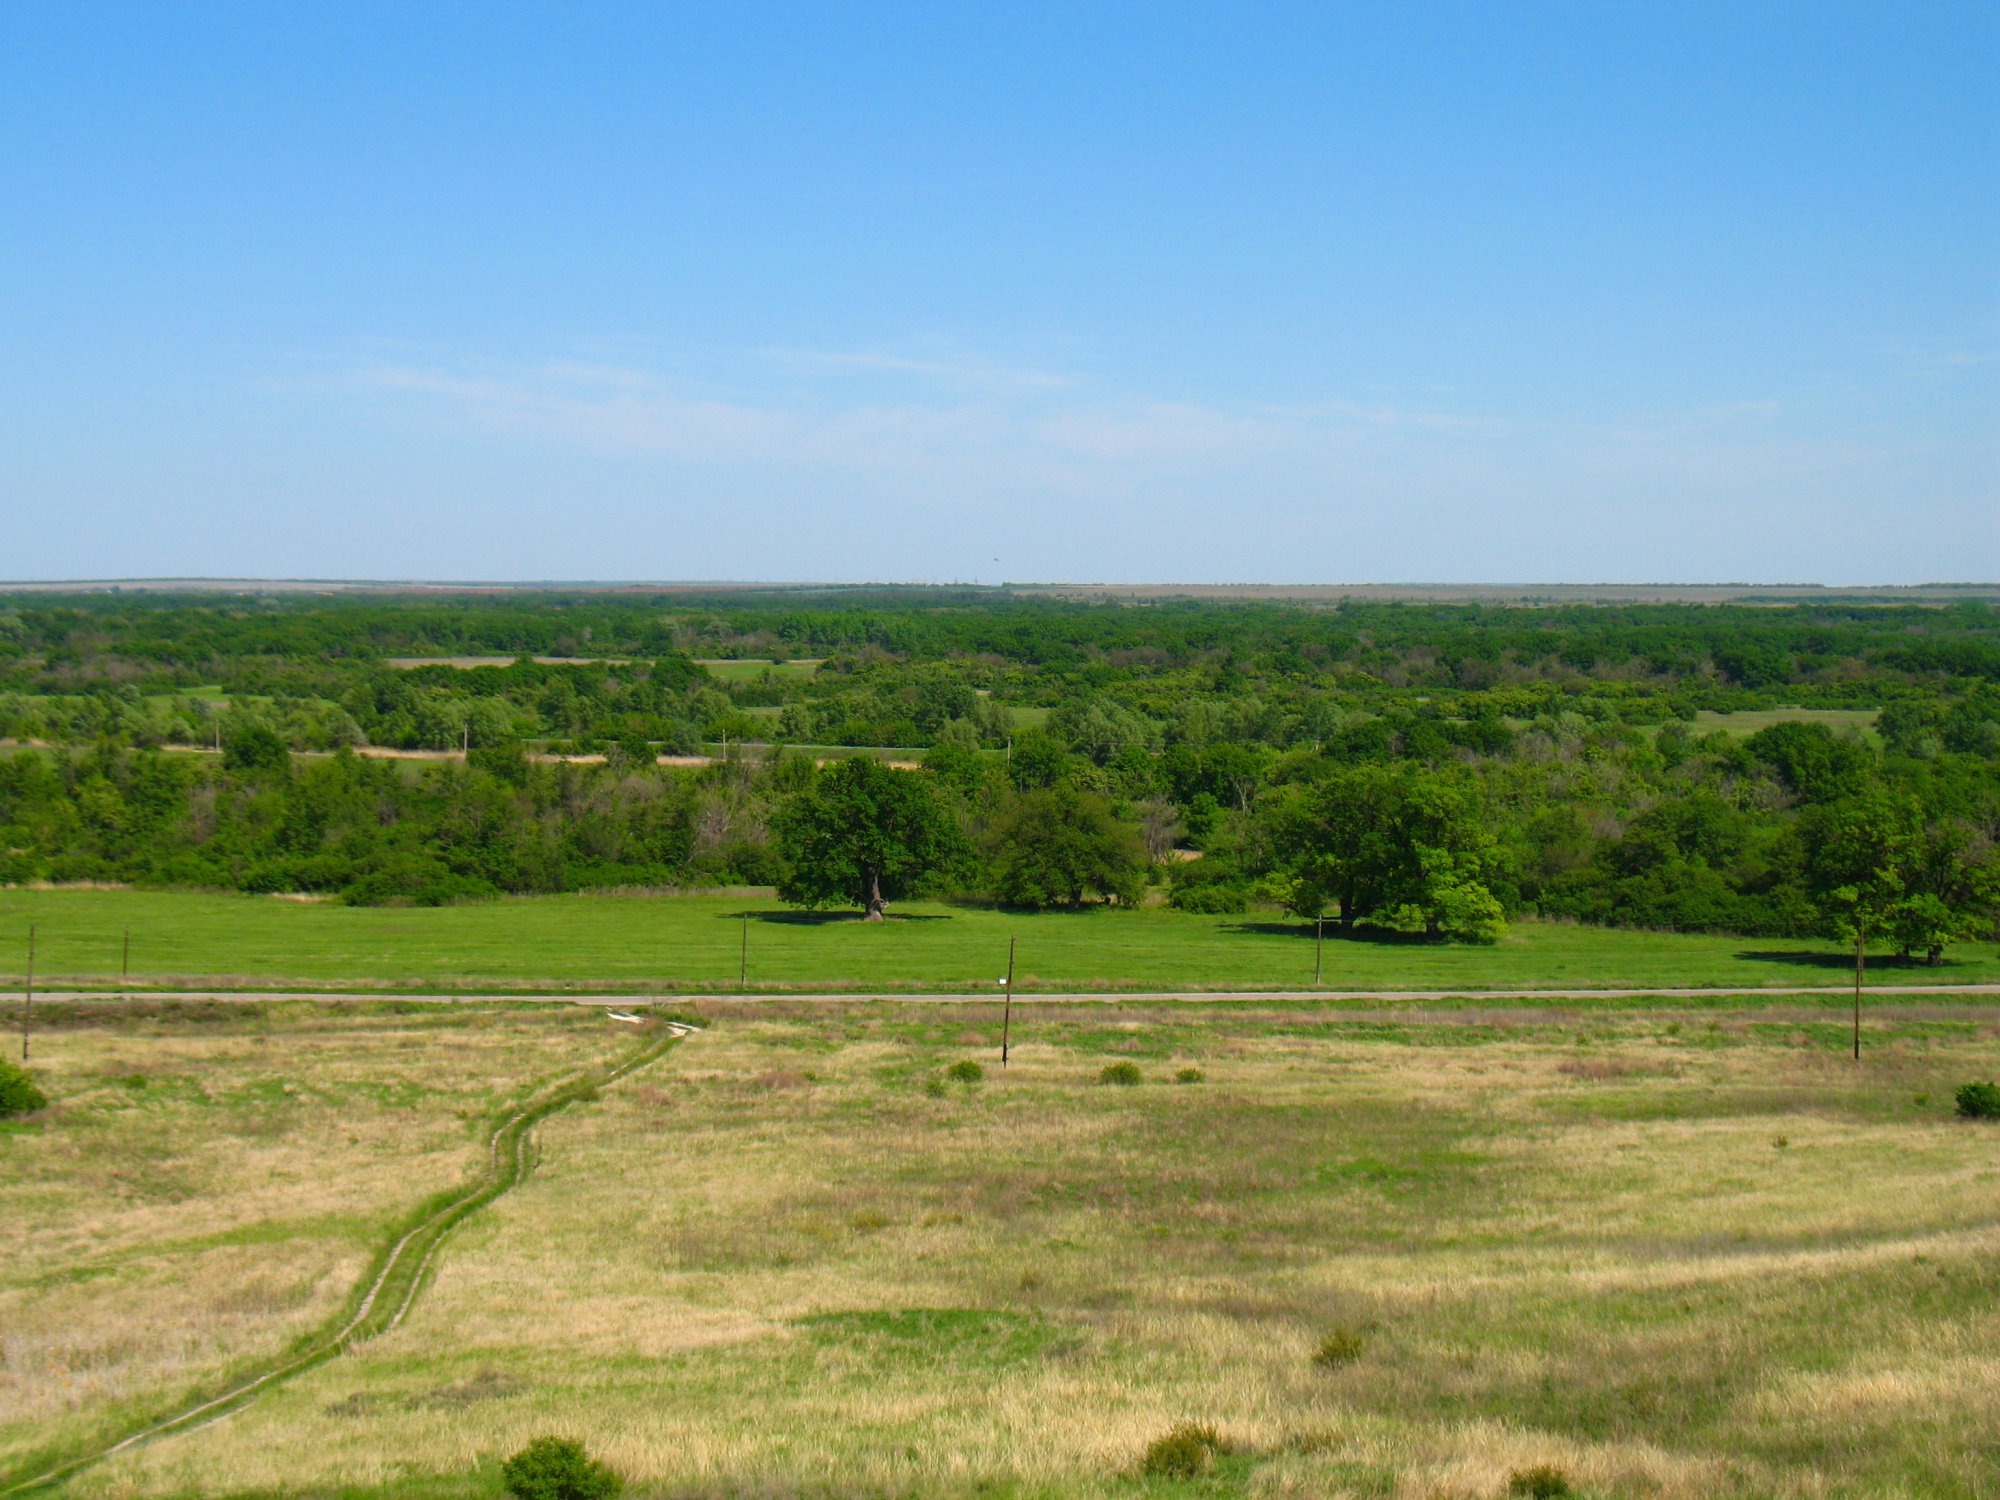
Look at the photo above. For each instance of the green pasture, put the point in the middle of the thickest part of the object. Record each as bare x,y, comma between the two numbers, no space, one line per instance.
1747,721
673,944
1026,719
752,670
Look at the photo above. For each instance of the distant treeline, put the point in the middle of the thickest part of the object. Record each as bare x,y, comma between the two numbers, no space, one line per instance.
1437,767
1444,645
906,670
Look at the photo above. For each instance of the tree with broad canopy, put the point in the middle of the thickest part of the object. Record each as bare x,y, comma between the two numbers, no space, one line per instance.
864,834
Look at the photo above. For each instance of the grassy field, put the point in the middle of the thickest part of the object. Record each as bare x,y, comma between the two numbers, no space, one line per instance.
679,944
212,1182
1676,1256
1748,721
734,670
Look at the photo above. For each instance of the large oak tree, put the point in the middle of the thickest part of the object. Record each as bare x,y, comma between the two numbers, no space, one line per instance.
1054,847
866,835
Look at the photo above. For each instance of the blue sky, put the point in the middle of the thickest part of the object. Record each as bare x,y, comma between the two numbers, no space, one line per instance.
1322,292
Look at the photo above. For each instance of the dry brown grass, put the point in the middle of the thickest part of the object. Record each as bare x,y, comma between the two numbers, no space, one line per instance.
202,1194
1565,1240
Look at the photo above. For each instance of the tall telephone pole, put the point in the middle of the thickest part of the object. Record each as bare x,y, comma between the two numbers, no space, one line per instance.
28,997
1007,1005
1860,963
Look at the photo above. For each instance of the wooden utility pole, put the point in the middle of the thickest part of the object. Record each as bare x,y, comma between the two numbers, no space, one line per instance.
743,966
1007,1005
28,997
1319,945
1860,963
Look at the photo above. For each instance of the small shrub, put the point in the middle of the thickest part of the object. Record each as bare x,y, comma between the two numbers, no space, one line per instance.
18,1093
1123,1074
1340,1347
935,1087
1543,1482
558,1469
1188,1075
1979,1101
965,1070
1185,1451
1213,898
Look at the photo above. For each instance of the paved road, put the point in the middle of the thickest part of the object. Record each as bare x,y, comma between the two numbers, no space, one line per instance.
1143,997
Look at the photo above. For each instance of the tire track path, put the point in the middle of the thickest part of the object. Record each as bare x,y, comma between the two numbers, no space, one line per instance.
391,1291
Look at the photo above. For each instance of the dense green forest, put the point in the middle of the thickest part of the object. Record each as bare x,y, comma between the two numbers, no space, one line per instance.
1438,768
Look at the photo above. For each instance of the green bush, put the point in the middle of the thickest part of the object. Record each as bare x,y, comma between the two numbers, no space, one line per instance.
1188,1075
1543,1482
253,747
1221,898
403,879
558,1469
1340,1347
1123,1074
1186,1451
18,1094
965,1070
1979,1101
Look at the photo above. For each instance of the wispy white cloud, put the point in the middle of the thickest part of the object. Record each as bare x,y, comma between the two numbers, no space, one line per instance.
1948,357
1045,446
950,370
598,407
1049,424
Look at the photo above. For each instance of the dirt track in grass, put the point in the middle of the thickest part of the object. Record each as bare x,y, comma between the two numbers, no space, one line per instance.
393,1286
